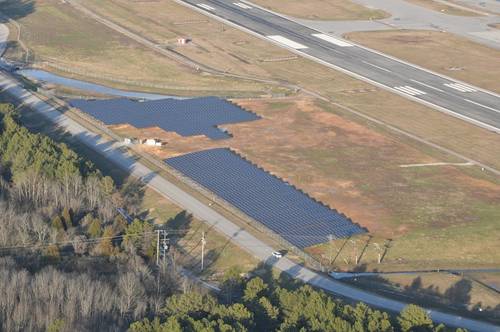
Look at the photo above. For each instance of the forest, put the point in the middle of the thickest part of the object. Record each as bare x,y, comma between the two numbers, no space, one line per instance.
70,261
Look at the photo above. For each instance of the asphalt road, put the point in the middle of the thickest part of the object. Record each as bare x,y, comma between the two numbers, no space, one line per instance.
4,35
406,15
444,94
115,153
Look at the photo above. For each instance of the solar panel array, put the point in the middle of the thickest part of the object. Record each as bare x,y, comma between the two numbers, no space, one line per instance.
281,207
187,117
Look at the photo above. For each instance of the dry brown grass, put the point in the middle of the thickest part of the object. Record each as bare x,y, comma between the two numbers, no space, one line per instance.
475,7
88,48
221,254
323,9
444,8
330,152
442,52
356,170
227,47
432,288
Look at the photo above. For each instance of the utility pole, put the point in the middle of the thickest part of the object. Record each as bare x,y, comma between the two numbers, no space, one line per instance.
379,252
164,246
158,247
355,251
203,242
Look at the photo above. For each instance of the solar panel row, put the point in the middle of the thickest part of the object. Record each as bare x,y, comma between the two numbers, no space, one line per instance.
282,208
187,117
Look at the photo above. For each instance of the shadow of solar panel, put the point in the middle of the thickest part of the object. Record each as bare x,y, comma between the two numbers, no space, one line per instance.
282,208
187,117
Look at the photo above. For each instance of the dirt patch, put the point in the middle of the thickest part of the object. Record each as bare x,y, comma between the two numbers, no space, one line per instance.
346,165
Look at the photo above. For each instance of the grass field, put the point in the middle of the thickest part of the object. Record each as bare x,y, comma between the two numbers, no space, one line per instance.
81,45
339,157
452,55
449,9
323,9
435,289
219,46
357,170
220,253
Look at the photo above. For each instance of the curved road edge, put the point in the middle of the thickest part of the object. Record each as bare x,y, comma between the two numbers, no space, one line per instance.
116,154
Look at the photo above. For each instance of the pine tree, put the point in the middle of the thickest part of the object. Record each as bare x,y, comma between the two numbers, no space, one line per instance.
414,318
67,217
107,185
139,234
52,252
119,224
105,246
254,289
58,223
95,228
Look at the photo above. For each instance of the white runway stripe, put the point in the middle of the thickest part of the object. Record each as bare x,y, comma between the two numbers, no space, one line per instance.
333,40
207,7
287,42
415,91
241,5
427,85
481,105
460,87
409,90
378,67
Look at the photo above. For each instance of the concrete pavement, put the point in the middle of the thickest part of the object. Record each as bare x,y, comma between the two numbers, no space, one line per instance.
442,93
492,6
115,152
406,15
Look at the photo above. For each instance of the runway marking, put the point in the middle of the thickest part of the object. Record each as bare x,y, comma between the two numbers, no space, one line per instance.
409,90
481,105
287,42
378,67
427,85
460,87
207,7
242,5
469,163
333,40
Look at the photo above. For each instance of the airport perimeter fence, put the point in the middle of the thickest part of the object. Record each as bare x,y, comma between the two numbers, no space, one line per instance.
309,261
44,64
258,226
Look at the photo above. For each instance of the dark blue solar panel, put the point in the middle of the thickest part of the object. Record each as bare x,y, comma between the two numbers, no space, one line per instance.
278,205
187,117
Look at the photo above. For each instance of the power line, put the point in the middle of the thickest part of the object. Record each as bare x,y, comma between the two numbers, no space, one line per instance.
93,240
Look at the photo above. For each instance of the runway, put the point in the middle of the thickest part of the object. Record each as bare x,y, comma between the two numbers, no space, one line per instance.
456,98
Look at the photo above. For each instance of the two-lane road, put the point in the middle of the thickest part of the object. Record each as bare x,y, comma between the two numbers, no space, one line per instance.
114,152
439,92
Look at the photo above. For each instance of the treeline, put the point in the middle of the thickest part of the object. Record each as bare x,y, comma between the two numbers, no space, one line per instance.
55,299
70,262
47,192
262,307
